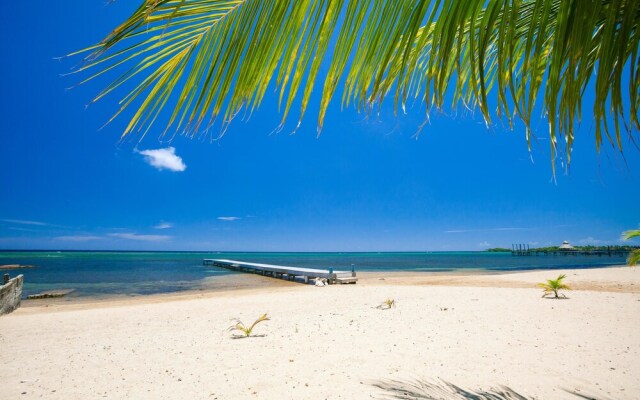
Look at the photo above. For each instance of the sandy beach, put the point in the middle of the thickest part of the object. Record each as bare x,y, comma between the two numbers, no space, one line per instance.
477,332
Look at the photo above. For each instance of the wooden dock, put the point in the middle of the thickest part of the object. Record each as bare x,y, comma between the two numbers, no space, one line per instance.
282,272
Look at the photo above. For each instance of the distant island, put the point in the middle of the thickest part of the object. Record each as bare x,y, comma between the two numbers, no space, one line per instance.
615,248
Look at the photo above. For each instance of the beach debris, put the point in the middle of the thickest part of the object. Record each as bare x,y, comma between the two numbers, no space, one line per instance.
247,330
553,286
387,304
320,282
50,294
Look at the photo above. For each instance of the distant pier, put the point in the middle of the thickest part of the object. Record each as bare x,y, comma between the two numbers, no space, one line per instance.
521,249
283,272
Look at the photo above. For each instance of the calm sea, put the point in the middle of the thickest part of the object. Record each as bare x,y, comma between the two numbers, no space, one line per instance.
140,273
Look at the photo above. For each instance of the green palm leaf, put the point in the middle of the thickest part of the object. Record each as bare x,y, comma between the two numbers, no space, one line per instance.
631,234
553,286
247,330
634,257
204,59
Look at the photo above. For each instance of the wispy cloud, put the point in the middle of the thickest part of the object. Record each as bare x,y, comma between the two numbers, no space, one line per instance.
78,238
13,228
163,225
484,244
488,230
229,218
143,238
25,222
164,159
591,241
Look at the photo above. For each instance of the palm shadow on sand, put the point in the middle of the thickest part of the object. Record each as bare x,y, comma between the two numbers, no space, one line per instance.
246,337
423,389
442,390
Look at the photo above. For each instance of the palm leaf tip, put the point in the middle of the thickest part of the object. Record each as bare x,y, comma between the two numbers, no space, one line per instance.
630,234
263,317
634,258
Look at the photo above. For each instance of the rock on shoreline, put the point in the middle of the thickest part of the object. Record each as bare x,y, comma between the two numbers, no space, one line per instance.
14,266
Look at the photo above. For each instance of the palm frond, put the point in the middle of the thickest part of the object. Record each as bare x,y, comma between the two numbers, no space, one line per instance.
425,389
633,258
388,304
553,286
546,286
246,330
263,317
202,59
630,234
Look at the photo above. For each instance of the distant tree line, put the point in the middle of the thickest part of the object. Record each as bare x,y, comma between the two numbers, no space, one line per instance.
579,248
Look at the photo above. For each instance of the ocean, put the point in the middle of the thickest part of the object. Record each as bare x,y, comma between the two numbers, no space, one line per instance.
105,274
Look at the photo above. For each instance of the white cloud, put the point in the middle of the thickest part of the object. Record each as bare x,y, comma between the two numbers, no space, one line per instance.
23,222
143,238
163,225
164,159
77,238
229,218
591,241
484,244
13,228
487,230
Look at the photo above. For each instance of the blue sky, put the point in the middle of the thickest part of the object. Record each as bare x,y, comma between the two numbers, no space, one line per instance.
366,183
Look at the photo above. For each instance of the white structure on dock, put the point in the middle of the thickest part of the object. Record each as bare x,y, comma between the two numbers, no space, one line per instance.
290,273
566,246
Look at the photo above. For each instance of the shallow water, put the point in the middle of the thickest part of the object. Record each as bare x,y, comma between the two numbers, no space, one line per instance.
141,273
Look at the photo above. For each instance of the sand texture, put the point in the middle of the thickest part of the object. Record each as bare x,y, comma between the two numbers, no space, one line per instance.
478,332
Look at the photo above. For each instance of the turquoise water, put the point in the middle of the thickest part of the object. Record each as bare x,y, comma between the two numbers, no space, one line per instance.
141,273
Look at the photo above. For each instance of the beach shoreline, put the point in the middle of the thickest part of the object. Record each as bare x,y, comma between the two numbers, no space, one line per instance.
244,283
334,343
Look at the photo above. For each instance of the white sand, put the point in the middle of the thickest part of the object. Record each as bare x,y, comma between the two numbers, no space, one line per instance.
331,342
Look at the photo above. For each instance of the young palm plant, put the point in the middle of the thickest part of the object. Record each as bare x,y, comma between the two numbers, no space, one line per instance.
634,256
554,286
247,330
387,304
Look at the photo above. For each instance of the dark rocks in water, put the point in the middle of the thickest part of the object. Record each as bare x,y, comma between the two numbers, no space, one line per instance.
50,294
